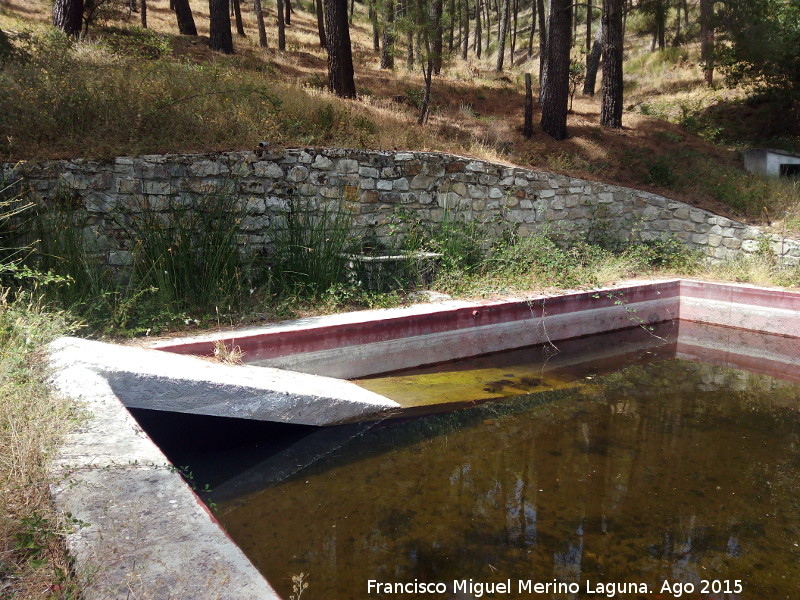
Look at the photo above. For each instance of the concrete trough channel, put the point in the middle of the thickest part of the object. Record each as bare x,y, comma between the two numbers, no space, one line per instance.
149,536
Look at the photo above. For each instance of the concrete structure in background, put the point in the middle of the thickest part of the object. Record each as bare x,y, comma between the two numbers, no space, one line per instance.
776,163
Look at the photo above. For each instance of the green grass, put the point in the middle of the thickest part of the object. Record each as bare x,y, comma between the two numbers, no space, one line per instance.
654,63
557,260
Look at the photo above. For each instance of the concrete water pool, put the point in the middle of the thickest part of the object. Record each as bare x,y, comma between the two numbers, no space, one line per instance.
633,436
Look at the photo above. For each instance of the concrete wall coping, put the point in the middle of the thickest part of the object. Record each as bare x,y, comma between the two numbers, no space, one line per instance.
148,534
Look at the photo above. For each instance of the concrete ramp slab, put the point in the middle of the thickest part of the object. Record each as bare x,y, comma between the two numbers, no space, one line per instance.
149,379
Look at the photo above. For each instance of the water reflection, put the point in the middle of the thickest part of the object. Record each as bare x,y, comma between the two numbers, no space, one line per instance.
660,471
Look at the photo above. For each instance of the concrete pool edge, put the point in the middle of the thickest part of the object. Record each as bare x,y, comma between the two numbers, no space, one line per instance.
145,533
148,531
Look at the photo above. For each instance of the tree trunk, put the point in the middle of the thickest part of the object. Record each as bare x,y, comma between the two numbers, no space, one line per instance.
387,51
542,44
143,13
465,41
451,9
628,9
589,17
68,16
262,30
183,14
677,40
287,5
237,12
460,24
340,54
527,125
488,22
555,94
707,39
478,29
503,33
410,51
593,62
661,23
281,26
611,110
574,24
436,16
533,29
427,70
515,15
321,25
221,39
376,32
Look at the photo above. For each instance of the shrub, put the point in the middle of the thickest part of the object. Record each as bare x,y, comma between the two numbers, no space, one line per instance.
660,172
135,42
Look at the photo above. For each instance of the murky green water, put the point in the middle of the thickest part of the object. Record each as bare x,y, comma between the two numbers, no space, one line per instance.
659,471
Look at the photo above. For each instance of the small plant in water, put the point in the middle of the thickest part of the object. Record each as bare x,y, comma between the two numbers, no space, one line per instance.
299,585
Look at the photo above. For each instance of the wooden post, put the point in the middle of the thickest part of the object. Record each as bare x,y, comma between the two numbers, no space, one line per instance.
527,127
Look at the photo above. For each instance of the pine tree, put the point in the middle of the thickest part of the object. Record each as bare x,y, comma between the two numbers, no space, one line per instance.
221,39
183,14
611,109
340,54
555,90
68,16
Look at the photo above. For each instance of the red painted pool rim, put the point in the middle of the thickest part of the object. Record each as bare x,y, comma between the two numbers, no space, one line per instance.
767,310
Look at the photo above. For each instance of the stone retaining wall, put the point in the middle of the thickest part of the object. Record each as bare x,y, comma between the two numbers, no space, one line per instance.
427,186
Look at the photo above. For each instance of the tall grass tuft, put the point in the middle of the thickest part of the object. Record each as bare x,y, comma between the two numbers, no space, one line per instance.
460,240
189,252
68,256
311,247
62,248
186,259
12,204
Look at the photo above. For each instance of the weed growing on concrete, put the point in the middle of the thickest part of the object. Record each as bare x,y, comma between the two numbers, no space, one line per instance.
230,355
